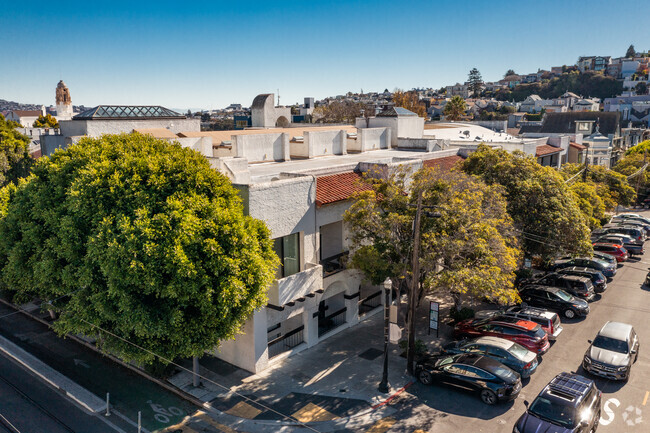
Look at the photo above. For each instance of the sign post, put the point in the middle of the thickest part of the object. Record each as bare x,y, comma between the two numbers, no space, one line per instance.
434,308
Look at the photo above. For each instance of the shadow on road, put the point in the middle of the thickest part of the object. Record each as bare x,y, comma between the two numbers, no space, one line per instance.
605,385
452,401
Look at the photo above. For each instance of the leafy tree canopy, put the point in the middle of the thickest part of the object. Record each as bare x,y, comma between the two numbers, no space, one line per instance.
472,239
509,72
542,206
410,101
612,187
139,237
475,82
631,52
630,164
455,108
47,121
639,149
15,161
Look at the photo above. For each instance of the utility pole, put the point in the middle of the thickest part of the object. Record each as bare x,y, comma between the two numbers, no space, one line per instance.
415,280
586,169
383,385
638,178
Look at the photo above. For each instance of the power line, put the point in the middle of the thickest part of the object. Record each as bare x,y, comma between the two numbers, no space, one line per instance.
36,307
197,374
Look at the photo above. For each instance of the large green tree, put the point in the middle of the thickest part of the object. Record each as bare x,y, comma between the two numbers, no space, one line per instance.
631,52
469,248
15,161
475,82
138,237
455,108
543,208
610,185
630,165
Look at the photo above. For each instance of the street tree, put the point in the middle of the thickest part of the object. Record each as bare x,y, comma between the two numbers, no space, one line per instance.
455,108
470,248
542,206
47,121
475,82
590,203
15,161
631,164
631,52
410,101
136,242
641,88
610,185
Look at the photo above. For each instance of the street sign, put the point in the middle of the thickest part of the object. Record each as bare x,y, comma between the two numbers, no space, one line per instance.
434,309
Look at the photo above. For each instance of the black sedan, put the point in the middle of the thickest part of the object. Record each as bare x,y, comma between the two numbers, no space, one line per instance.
509,353
492,380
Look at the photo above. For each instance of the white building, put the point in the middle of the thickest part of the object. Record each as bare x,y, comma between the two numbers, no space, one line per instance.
63,102
264,113
26,118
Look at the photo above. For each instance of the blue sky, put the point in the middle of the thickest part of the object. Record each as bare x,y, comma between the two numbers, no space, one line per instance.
212,53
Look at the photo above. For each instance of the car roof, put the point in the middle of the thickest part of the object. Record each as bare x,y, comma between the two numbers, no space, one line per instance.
526,324
532,311
575,278
495,341
477,360
581,269
615,330
540,287
606,244
568,387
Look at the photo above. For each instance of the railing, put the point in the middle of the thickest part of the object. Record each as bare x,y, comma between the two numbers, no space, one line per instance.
286,342
370,302
334,264
332,321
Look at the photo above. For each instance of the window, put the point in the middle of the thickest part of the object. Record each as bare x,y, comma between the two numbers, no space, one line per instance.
288,250
583,126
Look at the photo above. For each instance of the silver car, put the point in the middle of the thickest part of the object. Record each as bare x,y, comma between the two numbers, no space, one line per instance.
613,351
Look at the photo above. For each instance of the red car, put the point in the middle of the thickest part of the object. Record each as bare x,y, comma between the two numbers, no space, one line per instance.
528,334
614,250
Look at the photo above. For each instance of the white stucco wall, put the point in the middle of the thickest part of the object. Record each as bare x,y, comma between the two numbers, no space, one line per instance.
371,139
325,143
262,147
249,348
95,128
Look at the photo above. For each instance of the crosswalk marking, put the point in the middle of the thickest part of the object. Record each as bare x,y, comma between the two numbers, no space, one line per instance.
244,410
312,412
382,425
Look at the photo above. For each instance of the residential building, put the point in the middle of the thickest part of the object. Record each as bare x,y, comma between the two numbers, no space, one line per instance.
587,105
458,89
26,118
635,109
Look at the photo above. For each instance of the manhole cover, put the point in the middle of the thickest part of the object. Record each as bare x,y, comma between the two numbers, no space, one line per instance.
371,354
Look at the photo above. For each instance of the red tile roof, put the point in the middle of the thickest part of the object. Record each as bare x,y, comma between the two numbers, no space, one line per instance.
577,146
338,187
27,113
445,163
546,149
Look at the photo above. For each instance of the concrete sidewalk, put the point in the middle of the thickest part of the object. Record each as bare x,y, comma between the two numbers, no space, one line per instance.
334,381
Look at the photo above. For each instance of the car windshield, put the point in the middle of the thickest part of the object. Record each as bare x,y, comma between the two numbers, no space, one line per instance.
563,295
610,344
518,351
555,413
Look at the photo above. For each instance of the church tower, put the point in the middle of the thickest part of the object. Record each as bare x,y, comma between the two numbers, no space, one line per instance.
63,102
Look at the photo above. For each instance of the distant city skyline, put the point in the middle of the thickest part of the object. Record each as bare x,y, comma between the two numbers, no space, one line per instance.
211,54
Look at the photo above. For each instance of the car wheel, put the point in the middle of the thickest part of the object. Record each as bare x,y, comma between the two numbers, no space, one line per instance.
488,397
569,313
425,377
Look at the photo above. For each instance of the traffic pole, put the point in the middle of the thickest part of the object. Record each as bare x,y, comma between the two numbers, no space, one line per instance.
108,402
139,422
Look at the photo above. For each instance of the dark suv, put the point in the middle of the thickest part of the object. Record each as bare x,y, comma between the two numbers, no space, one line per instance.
570,403
580,287
597,278
553,298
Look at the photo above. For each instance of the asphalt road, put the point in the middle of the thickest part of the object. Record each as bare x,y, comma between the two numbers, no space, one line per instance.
626,406
27,405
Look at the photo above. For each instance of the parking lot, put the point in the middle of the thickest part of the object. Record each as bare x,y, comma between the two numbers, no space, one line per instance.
626,406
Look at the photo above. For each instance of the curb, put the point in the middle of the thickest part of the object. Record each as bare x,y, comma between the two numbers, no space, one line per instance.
75,392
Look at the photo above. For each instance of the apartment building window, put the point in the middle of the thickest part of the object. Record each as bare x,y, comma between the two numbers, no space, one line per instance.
288,250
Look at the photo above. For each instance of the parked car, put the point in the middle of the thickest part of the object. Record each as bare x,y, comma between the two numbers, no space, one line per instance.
606,258
493,381
570,403
528,334
553,298
548,320
608,269
614,250
632,217
632,247
581,287
635,232
632,223
613,351
512,355
597,278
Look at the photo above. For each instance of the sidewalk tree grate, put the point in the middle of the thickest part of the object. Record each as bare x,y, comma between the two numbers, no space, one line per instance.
371,354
